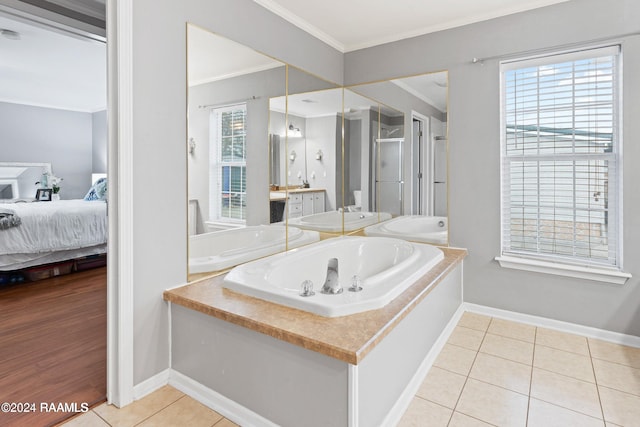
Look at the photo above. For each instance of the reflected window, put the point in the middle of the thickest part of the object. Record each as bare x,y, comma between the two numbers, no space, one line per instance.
228,171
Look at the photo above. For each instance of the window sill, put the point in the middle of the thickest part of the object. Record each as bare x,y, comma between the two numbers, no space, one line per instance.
589,273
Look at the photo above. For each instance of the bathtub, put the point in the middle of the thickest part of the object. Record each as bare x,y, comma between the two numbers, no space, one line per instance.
384,266
331,222
417,228
223,249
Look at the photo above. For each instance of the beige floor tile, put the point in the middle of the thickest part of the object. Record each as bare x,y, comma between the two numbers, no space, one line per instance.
424,413
466,337
543,414
515,330
462,420
508,348
88,419
139,410
562,341
562,362
570,393
620,408
442,387
184,412
618,377
225,423
624,355
455,359
492,404
501,372
475,321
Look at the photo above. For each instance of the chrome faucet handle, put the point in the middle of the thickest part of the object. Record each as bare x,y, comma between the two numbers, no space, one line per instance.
307,289
356,284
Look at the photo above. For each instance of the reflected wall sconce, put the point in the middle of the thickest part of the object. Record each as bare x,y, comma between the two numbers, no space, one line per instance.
192,145
293,155
294,131
319,155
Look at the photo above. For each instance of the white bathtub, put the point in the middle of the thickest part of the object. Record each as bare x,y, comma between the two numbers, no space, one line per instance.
331,222
386,267
223,249
417,228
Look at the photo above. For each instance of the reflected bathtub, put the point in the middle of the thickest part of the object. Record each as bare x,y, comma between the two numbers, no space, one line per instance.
223,249
417,228
385,268
331,222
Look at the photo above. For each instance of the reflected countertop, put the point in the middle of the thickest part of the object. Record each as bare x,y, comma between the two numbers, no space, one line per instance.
282,194
347,338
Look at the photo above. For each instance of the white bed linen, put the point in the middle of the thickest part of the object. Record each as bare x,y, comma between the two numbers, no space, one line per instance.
55,226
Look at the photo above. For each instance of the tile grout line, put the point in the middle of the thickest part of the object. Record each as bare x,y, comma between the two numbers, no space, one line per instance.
467,376
595,378
533,360
160,410
98,415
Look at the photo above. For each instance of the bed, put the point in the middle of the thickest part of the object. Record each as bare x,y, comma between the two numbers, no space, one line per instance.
50,232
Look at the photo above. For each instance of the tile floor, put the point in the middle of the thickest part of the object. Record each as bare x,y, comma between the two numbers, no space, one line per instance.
164,407
491,372
494,372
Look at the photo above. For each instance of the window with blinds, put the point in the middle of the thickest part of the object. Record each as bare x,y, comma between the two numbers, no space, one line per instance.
560,155
228,170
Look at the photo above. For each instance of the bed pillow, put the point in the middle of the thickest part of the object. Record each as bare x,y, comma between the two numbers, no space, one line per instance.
98,191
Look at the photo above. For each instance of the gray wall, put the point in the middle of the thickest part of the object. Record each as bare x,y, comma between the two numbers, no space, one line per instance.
160,134
99,158
60,137
474,136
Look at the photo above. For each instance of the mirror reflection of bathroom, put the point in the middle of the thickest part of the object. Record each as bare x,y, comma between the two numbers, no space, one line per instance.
309,168
227,143
410,179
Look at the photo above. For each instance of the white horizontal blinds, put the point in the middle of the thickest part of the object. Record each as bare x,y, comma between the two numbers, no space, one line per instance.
559,158
230,167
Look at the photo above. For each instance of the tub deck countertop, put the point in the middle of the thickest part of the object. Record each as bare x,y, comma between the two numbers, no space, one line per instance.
347,338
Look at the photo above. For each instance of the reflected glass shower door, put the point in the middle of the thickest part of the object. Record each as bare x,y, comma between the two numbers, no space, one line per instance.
389,184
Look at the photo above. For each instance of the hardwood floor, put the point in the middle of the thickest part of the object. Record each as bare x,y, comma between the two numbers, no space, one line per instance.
53,345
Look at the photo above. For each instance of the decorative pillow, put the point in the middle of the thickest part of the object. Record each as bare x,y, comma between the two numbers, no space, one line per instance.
98,190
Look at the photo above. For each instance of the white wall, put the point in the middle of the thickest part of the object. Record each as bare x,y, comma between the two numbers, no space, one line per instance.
474,138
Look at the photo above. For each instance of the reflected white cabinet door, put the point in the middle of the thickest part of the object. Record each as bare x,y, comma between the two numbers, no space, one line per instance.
318,202
307,204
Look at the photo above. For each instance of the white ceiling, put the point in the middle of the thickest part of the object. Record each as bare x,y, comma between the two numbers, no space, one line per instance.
51,68
355,24
205,50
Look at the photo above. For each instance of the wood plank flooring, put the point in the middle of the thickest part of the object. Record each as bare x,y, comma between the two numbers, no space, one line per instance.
53,345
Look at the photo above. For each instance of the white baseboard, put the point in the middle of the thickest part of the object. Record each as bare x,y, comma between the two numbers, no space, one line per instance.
403,402
558,325
152,384
219,403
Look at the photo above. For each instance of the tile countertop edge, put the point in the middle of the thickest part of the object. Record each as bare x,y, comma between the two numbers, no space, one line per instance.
291,325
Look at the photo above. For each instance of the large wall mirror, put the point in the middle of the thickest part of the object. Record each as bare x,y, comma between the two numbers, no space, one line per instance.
410,148
279,158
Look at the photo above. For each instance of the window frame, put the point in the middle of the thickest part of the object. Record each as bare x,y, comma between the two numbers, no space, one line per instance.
554,263
217,165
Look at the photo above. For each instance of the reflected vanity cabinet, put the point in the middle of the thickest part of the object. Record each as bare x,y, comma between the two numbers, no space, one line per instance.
306,202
